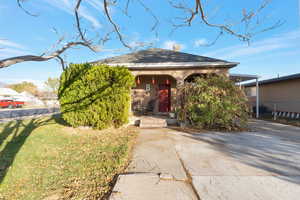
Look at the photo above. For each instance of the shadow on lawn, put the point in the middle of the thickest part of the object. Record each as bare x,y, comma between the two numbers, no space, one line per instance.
17,132
271,151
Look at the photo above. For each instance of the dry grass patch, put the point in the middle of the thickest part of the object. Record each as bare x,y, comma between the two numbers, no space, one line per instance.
44,159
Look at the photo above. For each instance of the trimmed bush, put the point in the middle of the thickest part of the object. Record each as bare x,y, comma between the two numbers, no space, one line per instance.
95,95
213,102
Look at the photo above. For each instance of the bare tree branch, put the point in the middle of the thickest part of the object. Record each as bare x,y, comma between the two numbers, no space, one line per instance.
191,12
62,62
26,11
127,7
56,54
81,34
156,21
14,60
214,41
223,28
199,8
116,27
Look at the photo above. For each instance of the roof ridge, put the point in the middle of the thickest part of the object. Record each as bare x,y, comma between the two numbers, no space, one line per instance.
163,56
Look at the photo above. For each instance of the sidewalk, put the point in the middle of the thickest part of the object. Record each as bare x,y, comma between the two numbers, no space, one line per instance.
155,172
168,164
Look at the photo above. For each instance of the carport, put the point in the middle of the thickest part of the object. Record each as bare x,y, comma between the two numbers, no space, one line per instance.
240,78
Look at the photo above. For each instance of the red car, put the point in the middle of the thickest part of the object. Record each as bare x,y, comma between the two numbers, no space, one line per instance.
9,103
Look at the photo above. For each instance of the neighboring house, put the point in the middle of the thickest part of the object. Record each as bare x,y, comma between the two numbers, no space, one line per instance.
158,72
278,94
2,84
7,93
30,99
50,99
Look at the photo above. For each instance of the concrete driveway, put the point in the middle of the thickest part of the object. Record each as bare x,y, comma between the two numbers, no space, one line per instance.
169,164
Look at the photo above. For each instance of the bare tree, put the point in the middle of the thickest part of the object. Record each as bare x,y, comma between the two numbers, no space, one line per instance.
251,20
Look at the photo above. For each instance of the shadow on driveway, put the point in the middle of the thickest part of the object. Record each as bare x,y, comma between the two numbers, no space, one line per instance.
273,148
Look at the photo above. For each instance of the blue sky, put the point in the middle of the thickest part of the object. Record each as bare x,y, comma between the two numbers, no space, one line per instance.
269,54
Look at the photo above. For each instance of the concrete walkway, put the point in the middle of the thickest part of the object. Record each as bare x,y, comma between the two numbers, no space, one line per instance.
169,164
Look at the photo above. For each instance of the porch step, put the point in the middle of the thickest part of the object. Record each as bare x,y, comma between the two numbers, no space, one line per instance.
153,122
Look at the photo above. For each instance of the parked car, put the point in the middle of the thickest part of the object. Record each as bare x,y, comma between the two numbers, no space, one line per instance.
9,103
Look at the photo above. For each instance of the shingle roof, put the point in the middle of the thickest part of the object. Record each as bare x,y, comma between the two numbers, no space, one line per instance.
274,80
155,57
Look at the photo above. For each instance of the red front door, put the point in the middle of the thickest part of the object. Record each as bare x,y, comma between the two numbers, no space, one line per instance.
164,98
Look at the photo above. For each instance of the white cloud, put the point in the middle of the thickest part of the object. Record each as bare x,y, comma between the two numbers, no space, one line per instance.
7,43
85,14
98,5
7,52
170,44
63,5
200,42
68,7
9,49
136,41
278,42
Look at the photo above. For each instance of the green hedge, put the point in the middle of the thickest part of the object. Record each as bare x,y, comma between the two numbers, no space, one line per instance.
95,95
213,102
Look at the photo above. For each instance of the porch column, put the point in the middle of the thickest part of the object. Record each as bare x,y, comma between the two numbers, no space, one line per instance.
130,103
179,83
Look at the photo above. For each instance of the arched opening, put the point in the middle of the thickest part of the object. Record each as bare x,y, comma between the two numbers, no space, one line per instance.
192,77
153,93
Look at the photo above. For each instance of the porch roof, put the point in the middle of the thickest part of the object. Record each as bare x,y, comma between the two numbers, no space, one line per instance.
155,58
242,77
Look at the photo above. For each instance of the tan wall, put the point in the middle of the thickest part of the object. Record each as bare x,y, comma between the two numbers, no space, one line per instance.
285,95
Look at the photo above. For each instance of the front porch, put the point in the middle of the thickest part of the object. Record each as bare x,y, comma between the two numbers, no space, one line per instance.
154,94
157,94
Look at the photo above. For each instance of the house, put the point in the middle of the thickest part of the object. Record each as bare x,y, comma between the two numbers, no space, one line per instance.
50,99
280,94
158,72
30,99
7,93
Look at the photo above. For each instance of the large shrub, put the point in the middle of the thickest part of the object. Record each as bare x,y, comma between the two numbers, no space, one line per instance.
213,102
95,95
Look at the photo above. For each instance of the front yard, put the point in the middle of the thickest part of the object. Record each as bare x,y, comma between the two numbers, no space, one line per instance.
44,159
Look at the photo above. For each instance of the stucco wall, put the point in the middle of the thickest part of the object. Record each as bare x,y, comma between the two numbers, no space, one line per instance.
285,95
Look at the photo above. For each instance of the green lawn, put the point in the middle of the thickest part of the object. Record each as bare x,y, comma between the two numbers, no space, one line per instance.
44,159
